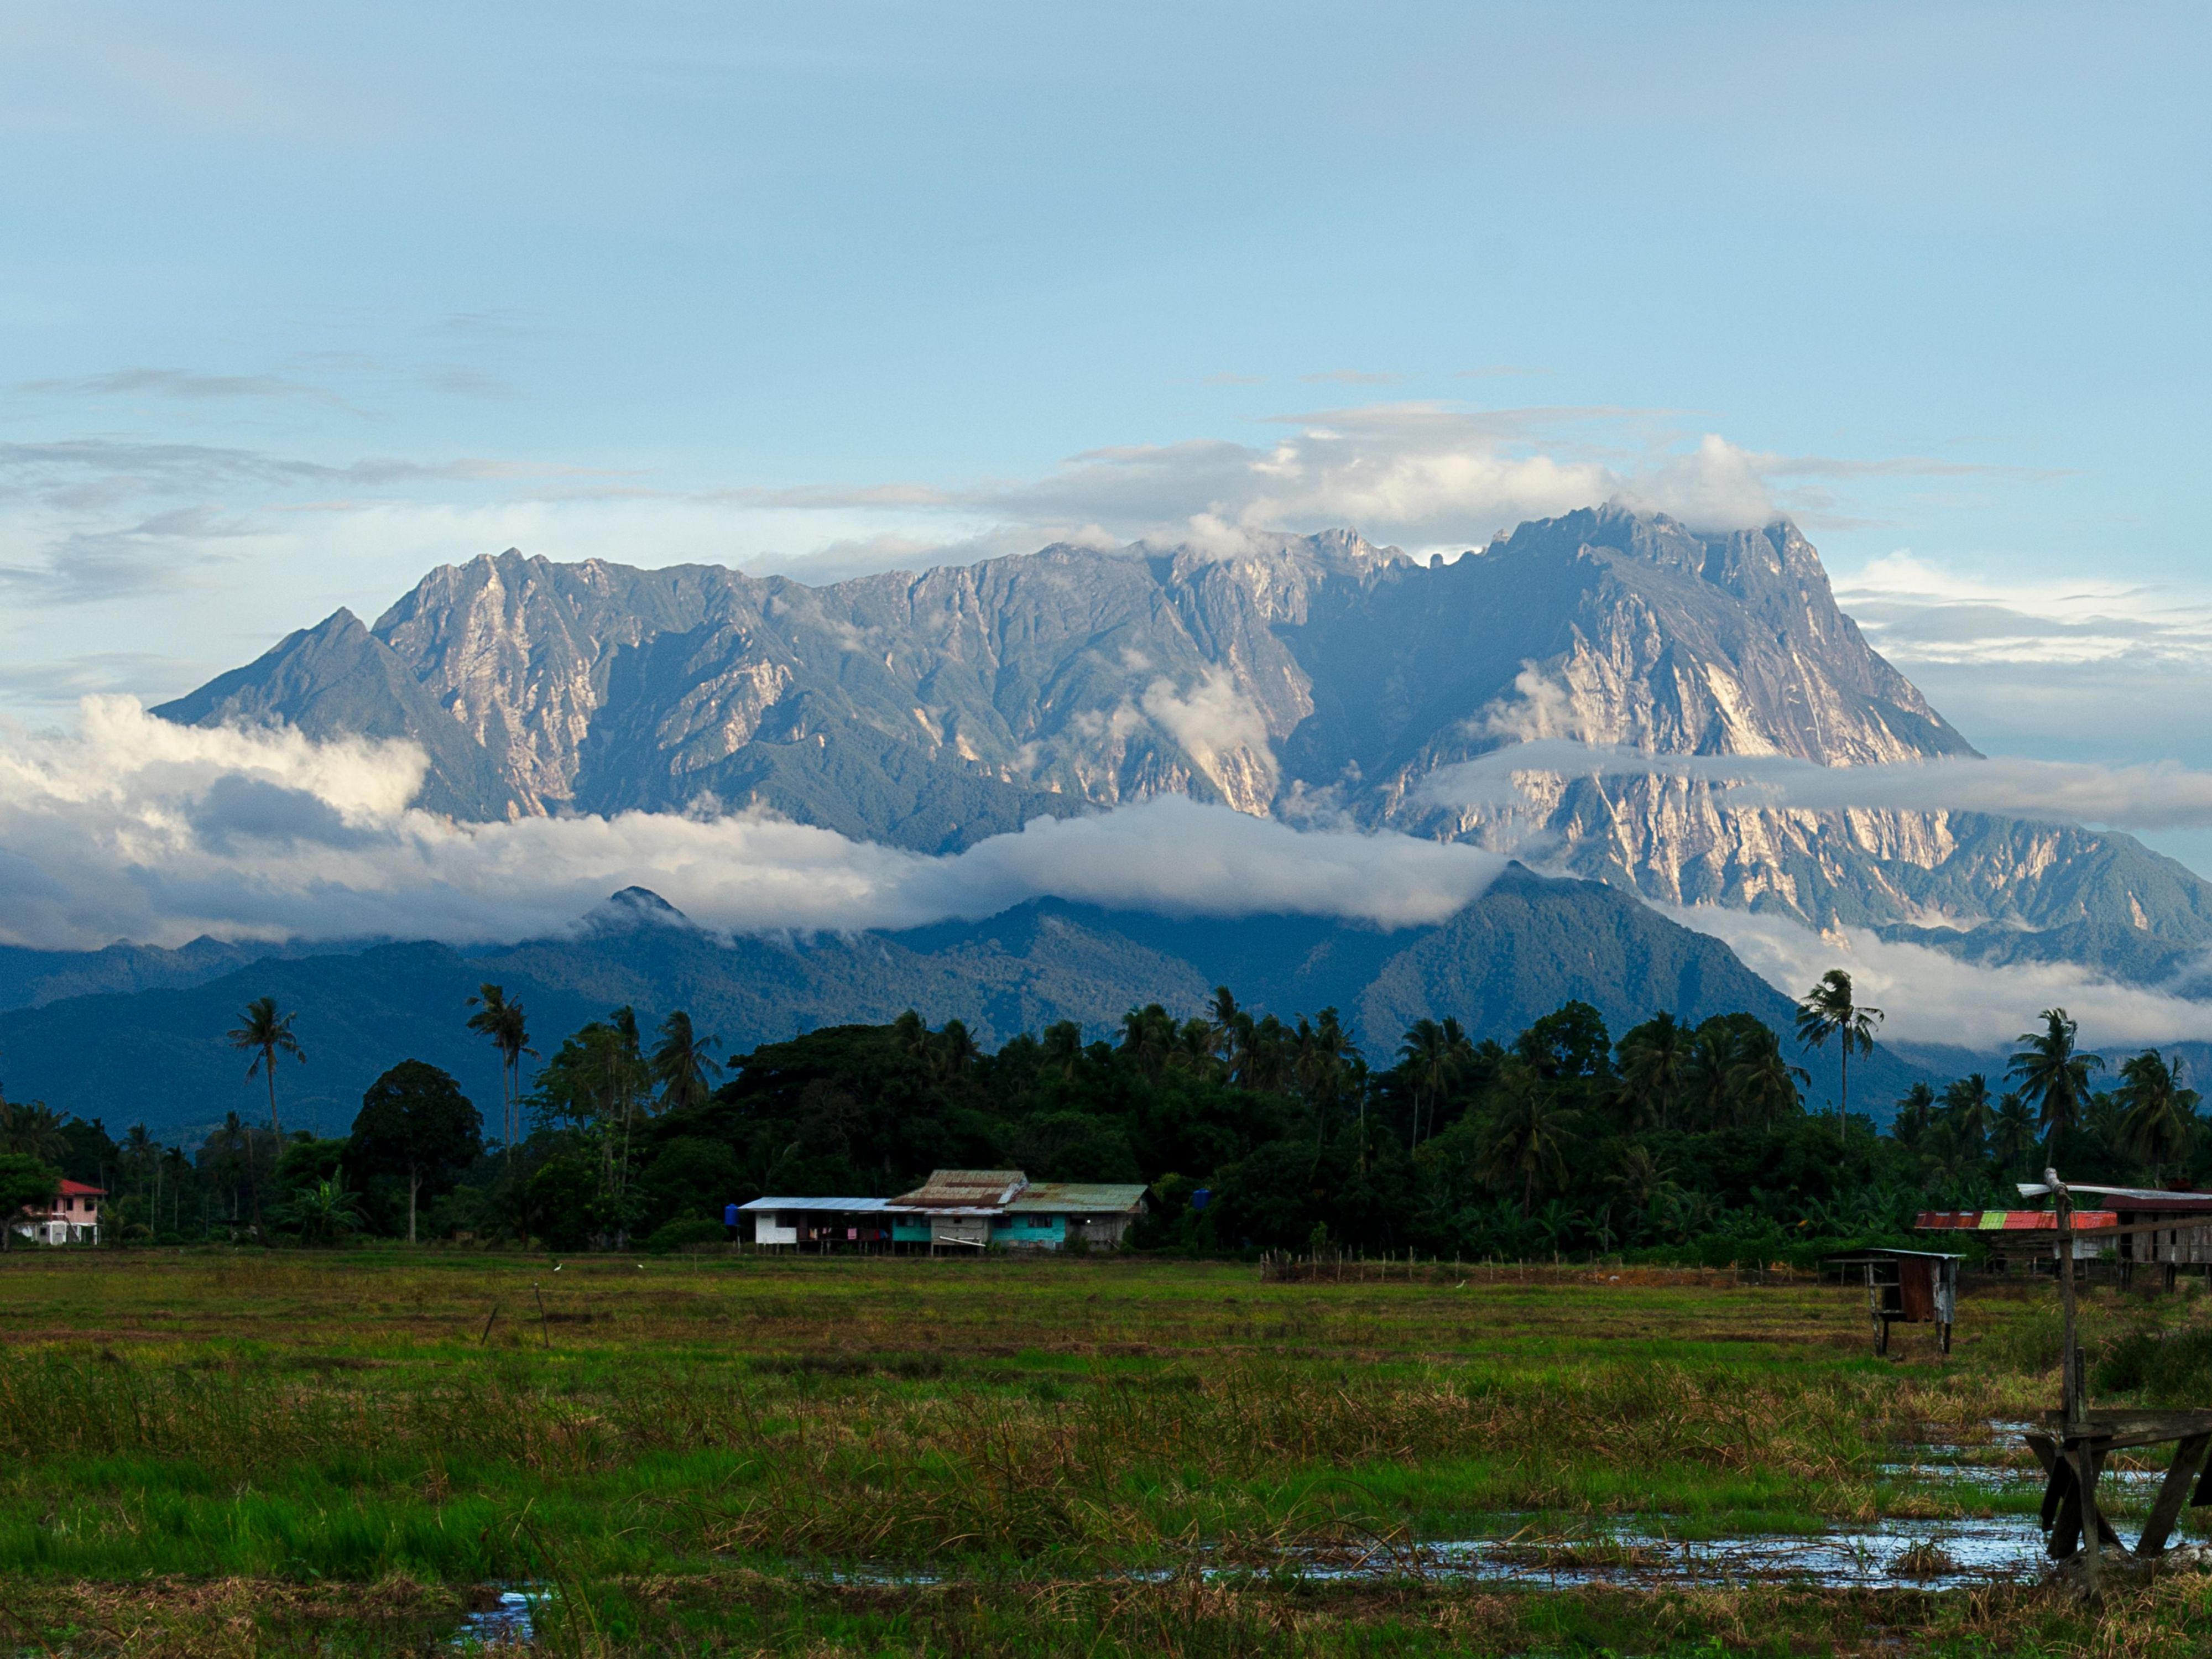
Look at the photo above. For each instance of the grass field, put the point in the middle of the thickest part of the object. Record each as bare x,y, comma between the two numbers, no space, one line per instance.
274,1453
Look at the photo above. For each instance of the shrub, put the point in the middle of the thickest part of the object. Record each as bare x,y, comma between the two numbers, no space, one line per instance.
684,1230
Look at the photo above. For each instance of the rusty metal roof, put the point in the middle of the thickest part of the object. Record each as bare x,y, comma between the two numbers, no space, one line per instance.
2010,1221
1081,1198
964,1189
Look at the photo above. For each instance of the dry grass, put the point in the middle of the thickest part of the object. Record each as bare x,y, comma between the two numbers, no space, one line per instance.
670,1436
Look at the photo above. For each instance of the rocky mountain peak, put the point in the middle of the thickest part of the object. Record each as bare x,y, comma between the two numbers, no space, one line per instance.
1318,676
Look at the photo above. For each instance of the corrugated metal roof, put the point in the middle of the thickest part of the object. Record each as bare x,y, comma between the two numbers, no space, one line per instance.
854,1206
2011,1221
1084,1197
950,1189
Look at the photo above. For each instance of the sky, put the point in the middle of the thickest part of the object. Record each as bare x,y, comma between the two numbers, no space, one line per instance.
296,303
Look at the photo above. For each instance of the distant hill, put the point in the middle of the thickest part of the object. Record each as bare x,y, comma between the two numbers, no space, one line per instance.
158,1055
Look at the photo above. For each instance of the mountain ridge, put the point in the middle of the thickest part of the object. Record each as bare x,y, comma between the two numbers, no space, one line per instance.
1519,950
1320,679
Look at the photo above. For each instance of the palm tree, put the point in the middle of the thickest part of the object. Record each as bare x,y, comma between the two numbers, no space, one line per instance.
1148,1036
1527,1132
504,1023
1194,1051
1708,1069
2052,1078
1971,1114
2012,1141
1227,1022
1829,1012
1433,1054
1915,1112
1062,1049
33,1130
2162,1115
266,1035
1652,1060
684,1067
1763,1085
1323,1058
952,1053
1269,1058
1640,1179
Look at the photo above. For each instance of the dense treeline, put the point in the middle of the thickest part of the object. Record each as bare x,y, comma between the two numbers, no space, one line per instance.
1251,1133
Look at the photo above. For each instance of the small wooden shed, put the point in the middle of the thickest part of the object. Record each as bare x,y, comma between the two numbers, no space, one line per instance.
1910,1287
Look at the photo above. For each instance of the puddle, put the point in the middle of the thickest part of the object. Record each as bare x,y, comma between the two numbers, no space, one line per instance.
2003,1464
2125,1490
501,1620
1898,1555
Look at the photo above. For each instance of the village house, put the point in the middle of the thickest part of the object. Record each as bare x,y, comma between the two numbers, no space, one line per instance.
73,1217
957,1210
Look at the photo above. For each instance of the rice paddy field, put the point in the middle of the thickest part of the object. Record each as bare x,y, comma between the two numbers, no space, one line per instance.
384,1452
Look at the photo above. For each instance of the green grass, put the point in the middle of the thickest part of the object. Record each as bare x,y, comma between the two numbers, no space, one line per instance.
697,1447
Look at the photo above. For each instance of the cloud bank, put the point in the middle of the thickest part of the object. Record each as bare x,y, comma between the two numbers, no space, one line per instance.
1931,997
2159,796
134,828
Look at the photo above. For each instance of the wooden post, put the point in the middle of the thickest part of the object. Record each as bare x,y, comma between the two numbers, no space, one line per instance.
2093,1527
2072,1406
2188,1458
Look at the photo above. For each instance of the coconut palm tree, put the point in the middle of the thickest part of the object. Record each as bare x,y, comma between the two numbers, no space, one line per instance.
1436,1053
2051,1076
1763,1085
1269,1057
952,1053
265,1034
2162,1113
1653,1058
1227,1022
2012,1140
1062,1049
1148,1037
1829,1011
508,1029
1527,1132
1915,1112
1971,1112
1707,1070
685,1069
33,1129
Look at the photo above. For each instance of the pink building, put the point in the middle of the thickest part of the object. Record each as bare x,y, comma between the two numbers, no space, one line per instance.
73,1217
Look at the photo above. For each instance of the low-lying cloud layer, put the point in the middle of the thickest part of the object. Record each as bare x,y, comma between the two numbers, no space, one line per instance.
2146,797
1931,997
134,828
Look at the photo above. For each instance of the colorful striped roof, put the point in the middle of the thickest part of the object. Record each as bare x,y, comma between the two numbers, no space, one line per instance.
2010,1221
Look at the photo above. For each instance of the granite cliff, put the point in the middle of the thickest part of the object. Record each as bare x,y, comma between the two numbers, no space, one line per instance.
1318,679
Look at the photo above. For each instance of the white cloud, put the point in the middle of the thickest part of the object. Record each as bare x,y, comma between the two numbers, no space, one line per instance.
1424,474
1929,996
134,828
1223,731
2157,796
1918,612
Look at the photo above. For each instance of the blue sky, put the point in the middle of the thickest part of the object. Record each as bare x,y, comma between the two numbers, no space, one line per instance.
299,301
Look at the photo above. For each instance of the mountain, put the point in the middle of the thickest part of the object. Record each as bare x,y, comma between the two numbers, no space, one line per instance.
29,978
1318,679
1519,950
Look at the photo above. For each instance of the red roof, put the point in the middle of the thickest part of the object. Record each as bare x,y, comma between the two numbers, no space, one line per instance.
78,1190
1937,1221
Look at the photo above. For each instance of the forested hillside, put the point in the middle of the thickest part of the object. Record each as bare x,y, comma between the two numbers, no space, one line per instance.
1524,947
